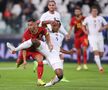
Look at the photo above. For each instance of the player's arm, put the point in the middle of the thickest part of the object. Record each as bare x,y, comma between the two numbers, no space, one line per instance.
105,25
48,40
84,29
67,51
84,24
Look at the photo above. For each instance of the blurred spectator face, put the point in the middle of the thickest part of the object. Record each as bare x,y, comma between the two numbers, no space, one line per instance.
94,12
77,12
51,6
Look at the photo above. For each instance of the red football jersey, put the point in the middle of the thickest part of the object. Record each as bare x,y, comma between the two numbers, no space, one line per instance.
77,23
28,35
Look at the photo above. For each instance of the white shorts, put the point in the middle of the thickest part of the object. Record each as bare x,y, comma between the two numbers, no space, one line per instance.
55,61
58,65
96,43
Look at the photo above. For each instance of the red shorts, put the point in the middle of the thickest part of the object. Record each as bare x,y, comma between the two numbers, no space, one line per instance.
29,55
82,41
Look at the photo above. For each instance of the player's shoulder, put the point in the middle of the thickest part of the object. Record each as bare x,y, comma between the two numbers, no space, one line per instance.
87,18
41,29
100,17
45,14
26,31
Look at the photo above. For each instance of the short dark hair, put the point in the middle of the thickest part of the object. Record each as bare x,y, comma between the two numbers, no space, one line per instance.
96,7
31,19
58,22
77,8
51,1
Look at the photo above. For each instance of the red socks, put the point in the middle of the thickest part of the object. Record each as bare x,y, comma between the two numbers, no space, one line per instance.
40,70
85,57
79,58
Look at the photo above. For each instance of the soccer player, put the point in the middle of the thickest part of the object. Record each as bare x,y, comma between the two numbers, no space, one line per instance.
50,16
95,24
80,38
51,55
56,62
33,33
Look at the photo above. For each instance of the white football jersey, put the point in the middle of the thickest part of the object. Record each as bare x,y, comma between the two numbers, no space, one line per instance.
94,24
56,39
48,16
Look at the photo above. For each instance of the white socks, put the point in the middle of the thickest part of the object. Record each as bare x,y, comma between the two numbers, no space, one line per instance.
24,45
55,80
98,62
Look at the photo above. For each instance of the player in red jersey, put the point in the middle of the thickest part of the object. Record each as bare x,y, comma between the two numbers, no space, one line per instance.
33,33
80,38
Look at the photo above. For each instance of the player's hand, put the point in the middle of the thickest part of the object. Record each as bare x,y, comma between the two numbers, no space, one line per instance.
100,30
67,37
72,51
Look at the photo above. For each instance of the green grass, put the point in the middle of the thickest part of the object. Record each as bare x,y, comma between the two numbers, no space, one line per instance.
20,79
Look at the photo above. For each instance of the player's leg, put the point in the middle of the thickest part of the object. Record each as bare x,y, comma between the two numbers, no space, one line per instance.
85,58
78,48
24,45
85,45
58,68
62,59
39,58
79,59
97,60
101,50
19,60
37,43
95,46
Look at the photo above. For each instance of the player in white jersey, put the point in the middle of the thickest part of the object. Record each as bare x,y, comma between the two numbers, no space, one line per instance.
95,24
51,55
50,16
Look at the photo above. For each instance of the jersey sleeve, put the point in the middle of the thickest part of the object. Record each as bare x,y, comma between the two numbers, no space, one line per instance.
42,18
104,21
25,36
62,29
84,22
45,32
72,22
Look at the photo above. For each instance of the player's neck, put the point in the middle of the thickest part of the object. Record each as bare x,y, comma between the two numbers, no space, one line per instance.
51,12
94,16
78,17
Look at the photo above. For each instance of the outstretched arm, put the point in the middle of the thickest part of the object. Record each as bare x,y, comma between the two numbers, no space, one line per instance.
67,51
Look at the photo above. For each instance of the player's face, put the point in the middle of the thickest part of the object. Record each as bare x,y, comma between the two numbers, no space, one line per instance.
51,6
77,12
94,12
31,27
55,26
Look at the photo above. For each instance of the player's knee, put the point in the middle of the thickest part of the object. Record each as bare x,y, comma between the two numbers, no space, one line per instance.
35,42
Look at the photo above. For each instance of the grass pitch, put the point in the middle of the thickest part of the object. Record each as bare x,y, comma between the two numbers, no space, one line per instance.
12,78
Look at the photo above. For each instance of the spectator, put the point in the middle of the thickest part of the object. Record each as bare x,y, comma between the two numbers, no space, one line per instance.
29,9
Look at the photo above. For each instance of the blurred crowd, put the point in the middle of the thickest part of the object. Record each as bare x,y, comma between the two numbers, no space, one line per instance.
14,13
